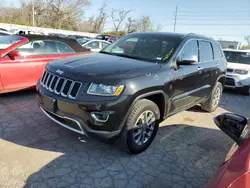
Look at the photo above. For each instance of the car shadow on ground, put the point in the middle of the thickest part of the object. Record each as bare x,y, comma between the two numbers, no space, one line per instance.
181,155
230,102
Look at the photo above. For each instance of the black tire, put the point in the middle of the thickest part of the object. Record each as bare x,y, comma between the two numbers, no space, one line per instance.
127,140
208,105
247,90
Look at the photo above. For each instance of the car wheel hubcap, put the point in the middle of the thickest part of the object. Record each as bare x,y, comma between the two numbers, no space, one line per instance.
216,98
145,125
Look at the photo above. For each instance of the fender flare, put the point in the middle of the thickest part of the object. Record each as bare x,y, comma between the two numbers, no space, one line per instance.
141,97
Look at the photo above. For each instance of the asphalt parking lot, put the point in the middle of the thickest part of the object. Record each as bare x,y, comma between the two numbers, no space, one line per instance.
37,153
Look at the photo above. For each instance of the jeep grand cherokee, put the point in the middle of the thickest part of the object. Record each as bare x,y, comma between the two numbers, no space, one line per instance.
132,85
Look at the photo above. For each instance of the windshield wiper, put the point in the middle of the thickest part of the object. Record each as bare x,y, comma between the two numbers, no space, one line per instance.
104,52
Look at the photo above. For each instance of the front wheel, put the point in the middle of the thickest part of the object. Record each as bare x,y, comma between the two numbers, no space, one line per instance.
213,102
141,127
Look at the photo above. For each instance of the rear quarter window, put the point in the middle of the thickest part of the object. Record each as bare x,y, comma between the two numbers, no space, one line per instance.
218,54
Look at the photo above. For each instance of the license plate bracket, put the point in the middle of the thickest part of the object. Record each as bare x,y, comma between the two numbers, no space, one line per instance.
48,103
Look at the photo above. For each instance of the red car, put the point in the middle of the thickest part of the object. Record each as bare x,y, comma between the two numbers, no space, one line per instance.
107,37
234,172
23,58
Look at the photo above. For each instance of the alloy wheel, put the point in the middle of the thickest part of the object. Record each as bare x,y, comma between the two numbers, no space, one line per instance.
216,97
144,127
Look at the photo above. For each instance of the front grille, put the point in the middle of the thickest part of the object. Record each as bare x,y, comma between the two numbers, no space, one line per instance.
230,70
230,82
60,85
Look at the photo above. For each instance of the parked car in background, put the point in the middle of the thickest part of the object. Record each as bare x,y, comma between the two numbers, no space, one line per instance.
93,45
4,33
23,58
21,31
234,172
107,37
58,35
128,88
238,69
2,29
78,37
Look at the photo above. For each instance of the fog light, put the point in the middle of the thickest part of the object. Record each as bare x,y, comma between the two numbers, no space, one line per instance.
240,83
100,117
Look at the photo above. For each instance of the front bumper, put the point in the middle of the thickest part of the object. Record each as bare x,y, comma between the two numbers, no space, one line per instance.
237,81
76,115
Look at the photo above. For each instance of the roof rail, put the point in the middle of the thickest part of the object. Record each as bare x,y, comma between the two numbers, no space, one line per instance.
198,35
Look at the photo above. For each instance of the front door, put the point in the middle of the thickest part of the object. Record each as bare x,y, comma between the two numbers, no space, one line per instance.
186,84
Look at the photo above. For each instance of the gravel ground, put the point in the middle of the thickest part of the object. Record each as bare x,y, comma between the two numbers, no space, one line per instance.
35,152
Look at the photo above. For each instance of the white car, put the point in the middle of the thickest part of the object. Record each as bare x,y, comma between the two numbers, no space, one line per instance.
94,45
238,69
25,32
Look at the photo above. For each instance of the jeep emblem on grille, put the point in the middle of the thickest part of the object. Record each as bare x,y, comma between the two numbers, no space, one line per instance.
59,71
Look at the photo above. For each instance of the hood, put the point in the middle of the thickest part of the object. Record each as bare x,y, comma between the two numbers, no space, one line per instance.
101,66
231,65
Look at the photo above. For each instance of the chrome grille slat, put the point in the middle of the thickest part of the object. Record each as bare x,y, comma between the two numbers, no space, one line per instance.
53,77
59,85
67,90
45,79
63,85
46,84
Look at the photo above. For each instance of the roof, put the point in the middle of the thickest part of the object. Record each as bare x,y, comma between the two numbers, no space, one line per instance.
71,42
176,35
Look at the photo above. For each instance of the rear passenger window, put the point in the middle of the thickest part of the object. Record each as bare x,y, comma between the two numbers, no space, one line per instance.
217,51
206,52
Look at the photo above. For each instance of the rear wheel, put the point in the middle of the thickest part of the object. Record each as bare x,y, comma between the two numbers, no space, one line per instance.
141,127
213,102
247,90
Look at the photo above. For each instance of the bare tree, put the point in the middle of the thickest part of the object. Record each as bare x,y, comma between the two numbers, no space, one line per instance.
146,24
131,25
97,24
118,16
247,38
66,11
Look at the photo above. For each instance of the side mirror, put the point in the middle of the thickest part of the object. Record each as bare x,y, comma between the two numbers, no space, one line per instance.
13,54
187,60
232,124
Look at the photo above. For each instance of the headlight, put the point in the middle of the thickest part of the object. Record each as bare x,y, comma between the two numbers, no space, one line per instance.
105,90
240,71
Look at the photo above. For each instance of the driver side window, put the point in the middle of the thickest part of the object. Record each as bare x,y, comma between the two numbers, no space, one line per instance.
190,49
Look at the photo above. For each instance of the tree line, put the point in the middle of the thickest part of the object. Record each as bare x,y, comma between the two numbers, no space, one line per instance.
69,15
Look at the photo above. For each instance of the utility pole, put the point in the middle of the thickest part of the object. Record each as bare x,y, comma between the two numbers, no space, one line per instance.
33,13
175,18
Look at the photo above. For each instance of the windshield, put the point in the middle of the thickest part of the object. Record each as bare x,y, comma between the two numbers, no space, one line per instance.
7,41
238,57
144,47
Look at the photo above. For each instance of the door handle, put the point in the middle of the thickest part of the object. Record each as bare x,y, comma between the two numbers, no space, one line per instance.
199,68
217,64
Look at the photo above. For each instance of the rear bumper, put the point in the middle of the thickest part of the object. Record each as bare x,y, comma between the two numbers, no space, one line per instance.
76,115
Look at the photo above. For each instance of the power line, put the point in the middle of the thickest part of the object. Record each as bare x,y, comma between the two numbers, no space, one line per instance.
212,19
175,18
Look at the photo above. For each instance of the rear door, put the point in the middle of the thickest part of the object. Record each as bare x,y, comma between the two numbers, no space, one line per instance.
208,66
25,70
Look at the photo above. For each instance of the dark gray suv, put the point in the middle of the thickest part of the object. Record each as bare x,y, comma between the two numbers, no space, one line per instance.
130,86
